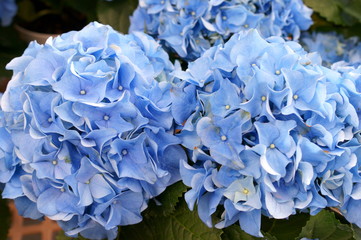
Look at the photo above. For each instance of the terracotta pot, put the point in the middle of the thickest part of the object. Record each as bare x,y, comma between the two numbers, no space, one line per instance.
3,82
28,35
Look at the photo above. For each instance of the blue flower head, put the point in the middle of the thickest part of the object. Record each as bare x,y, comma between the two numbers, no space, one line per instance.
86,130
269,131
8,9
188,28
333,47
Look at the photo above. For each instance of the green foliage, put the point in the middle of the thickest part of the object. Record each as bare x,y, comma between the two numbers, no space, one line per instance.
325,226
351,7
356,232
182,224
285,229
176,222
116,13
167,200
341,12
234,232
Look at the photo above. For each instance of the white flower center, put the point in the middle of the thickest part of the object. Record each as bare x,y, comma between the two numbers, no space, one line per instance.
82,92
223,138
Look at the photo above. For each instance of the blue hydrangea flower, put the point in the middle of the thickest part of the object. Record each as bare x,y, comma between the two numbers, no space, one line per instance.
86,130
333,47
188,28
8,9
269,131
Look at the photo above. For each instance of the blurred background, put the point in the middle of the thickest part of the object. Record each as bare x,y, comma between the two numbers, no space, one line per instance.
39,19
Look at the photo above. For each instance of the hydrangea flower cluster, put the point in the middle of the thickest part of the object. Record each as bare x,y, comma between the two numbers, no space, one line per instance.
8,9
333,47
190,27
91,131
269,131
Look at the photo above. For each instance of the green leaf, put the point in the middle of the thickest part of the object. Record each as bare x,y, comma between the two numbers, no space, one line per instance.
116,13
352,7
356,232
268,236
234,232
168,200
26,11
325,226
286,229
182,224
340,12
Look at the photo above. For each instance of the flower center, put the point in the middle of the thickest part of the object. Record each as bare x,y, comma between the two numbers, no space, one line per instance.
124,152
224,18
82,92
62,189
120,88
106,117
223,138
295,97
278,72
228,107
50,120
263,98
245,191
245,25
54,162
272,146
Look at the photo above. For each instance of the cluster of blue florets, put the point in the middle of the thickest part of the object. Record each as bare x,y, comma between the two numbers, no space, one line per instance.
189,27
268,131
86,130
8,9
94,123
333,48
